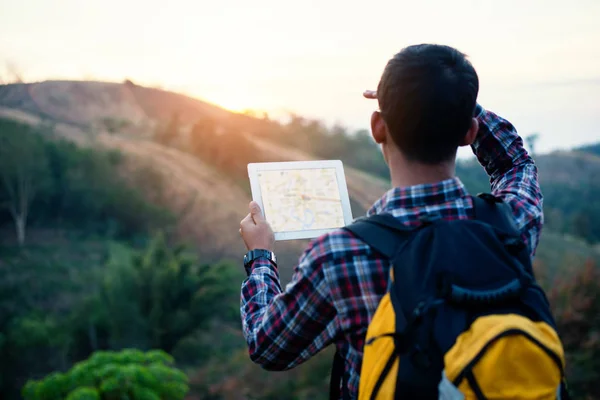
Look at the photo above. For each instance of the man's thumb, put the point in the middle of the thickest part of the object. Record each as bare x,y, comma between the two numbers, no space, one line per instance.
256,212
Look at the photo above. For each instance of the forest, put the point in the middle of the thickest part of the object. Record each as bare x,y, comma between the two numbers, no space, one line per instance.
99,299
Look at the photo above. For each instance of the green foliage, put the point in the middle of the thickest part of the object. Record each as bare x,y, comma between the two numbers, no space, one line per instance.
227,149
89,192
592,149
230,375
115,125
35,330
577,311
356,149
84,393
160,297
155,297
39,287
52,295
473,176
69,186
107,375
574,210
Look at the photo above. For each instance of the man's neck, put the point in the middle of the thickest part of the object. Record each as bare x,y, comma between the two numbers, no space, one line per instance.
406,174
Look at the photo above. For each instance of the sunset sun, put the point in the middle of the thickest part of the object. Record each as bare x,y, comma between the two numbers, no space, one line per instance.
236,101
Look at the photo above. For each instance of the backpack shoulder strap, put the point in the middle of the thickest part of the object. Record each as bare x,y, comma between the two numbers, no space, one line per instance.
382,232
337,379
494,211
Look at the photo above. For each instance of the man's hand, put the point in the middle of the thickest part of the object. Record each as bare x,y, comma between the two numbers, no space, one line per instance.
256,231
370,94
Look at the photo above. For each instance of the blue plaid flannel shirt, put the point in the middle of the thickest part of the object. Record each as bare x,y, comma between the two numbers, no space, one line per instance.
339,280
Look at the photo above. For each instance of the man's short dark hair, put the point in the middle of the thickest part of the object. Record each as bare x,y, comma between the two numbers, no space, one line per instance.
427,95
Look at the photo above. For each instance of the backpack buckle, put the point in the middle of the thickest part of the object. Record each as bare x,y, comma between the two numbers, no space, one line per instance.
420,358
429,218
514,245
490,198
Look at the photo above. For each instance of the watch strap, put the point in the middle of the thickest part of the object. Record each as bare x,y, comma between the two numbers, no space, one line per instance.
255,254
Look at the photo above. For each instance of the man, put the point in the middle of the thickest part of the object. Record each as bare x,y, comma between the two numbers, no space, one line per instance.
427,109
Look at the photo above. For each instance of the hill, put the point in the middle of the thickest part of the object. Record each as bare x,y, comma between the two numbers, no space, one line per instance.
202,149
592,149
210,201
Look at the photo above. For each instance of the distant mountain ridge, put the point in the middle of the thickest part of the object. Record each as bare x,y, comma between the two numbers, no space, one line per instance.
592,149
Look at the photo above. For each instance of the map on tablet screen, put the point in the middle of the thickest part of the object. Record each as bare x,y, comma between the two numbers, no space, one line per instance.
301,199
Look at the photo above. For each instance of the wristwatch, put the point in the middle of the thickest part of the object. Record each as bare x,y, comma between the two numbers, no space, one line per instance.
252,255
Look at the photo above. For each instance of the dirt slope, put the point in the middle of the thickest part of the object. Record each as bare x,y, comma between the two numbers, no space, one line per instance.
210,204
86,102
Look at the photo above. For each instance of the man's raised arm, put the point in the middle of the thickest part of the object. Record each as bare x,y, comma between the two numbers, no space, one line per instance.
284,328
512,172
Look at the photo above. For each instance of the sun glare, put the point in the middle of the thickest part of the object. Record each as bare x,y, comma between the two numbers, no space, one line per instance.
236,100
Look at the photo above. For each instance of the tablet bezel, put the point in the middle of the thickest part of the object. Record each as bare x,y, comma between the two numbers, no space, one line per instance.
254,168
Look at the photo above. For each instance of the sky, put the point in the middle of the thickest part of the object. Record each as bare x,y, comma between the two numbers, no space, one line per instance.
538,61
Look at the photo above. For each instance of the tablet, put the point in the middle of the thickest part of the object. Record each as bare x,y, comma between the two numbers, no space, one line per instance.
301,199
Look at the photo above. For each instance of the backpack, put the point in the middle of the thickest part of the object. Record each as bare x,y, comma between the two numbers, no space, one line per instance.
463,317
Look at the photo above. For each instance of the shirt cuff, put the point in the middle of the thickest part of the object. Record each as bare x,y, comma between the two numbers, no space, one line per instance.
478,111
260,262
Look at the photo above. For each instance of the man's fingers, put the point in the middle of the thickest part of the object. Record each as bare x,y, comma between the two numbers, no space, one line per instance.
256,212
370,94
247,220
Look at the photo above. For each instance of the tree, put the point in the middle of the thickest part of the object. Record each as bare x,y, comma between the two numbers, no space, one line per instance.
14,73
175,295
114,125
23,170
531,141
576,307
154,298
129,374
582,226
202,136
166,134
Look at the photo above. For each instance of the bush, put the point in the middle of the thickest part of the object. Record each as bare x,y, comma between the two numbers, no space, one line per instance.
155,297
577,311
128,374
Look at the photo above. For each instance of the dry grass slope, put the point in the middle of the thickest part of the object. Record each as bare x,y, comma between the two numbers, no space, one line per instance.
210,204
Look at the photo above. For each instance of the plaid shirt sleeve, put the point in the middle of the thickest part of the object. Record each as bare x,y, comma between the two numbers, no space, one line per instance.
512,172
285,328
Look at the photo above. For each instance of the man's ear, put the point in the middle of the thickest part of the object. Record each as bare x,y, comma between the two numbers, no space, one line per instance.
378,127
471,133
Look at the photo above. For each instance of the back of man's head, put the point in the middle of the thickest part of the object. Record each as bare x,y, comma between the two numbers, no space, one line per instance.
427,95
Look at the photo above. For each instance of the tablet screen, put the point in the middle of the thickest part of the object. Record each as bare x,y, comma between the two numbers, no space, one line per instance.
301,199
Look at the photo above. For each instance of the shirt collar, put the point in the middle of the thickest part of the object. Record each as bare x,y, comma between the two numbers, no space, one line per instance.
419,196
